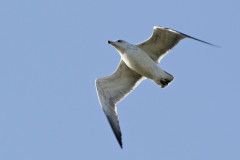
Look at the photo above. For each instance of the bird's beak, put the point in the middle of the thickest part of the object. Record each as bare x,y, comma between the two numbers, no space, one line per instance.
110,42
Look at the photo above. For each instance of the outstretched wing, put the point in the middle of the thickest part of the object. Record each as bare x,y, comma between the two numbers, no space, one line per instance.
163,40
114,88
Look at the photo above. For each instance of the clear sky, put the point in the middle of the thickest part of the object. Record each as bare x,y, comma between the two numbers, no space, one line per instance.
51,52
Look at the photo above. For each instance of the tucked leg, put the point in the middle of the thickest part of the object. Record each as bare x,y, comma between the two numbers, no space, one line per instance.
164,79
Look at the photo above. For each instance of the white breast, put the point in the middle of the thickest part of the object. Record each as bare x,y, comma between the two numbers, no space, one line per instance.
140,62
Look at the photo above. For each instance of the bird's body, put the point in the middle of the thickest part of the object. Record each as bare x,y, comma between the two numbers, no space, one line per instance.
137,63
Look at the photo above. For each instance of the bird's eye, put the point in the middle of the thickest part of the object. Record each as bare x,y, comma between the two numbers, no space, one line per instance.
119,41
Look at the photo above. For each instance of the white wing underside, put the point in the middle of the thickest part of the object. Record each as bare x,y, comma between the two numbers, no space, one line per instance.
114,88
161,41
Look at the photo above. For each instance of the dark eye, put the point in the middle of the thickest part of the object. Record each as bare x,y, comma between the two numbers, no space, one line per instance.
120,41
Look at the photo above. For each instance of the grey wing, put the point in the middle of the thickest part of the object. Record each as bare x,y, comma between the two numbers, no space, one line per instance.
114,88
163,40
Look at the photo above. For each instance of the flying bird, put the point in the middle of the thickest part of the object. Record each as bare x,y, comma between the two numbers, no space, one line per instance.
138,62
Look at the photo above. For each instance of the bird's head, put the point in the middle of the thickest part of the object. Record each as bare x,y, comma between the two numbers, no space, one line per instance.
120,45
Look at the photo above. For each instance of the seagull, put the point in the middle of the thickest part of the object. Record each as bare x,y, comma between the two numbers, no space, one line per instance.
138,62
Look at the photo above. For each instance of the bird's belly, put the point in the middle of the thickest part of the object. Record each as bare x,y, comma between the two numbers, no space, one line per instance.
142,64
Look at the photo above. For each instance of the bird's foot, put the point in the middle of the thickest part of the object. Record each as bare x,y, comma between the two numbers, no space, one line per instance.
165,82
168,78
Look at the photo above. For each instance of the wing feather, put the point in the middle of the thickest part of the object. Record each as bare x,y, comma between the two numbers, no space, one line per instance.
114,88
163,40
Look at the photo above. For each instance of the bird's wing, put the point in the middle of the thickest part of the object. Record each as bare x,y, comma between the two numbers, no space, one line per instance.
162,40
112,89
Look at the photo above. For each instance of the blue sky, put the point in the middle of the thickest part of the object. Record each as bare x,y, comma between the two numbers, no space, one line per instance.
51,52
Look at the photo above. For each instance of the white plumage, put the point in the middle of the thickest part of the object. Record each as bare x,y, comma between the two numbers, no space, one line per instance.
137,63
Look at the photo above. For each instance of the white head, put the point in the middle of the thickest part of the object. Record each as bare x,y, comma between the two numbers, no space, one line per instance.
120,45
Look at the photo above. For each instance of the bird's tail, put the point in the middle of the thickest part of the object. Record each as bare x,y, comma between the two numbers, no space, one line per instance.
164,81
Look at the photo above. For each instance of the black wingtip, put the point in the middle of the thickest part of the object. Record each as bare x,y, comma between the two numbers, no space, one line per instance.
121,146
120,143
115,130
119,138
200,40
192,37
204,42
